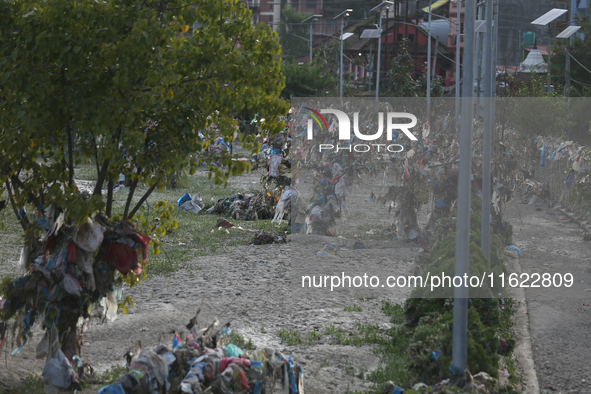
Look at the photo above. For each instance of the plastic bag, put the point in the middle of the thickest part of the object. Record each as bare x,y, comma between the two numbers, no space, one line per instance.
109,304
58,371
71,285
111,389
157,367
22,262
57,262
274,162
89,236
190,206
50,342
186,197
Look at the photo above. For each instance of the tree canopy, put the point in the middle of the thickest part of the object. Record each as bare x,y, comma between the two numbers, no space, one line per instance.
141,88
159,79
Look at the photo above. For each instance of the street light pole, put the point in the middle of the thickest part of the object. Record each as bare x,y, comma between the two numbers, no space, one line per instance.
461,294
341,69
487,137
383,5
429,70
342,15
458,27
311,19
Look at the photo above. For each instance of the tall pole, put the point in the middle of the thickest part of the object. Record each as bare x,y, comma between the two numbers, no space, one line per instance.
342,26
487,137
458,27
461,294
379,58
429,70
310,42
494,66
549,57
567,70
478,66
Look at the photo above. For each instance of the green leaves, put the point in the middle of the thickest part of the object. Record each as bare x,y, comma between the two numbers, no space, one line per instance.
142,93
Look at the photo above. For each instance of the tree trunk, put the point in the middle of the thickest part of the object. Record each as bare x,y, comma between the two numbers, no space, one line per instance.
68,334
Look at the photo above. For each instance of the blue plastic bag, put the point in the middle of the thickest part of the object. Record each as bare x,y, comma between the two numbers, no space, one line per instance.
184,198
513,247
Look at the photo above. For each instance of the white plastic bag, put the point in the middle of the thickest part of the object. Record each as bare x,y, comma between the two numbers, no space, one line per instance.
22,262
89,236
71,285
274,163
190,206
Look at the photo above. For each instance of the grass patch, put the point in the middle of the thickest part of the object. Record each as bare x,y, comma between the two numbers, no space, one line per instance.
353,308
293,338
390,345
506,332
238,340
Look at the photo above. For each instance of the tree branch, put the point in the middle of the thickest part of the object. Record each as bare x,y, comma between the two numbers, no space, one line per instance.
129,198
70,154
16,181
101,177
109,196
24,222
143,199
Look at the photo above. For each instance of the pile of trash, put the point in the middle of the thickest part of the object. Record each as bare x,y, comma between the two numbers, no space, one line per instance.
71,276
190,203
273,202
240,206
460,383
206,362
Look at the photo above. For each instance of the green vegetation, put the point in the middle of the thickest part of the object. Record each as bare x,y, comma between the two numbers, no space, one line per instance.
353,308
238,340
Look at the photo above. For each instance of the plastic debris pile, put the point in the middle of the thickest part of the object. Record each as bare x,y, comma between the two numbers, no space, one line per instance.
206,362
259,206
190,203
71,277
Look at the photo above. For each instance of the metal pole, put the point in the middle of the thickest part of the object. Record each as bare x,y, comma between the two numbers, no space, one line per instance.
461,294
494,65
549,58
486,139
342,26
310,42
379,58
567,70
429,70
479,67
370,73
458,27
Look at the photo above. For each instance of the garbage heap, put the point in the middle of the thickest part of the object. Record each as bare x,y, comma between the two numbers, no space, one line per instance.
255,206
205,362
71,276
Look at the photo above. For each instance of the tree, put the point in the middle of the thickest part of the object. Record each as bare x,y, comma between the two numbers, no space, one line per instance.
580,49
292,35
132,86
400,81
535,111
308,80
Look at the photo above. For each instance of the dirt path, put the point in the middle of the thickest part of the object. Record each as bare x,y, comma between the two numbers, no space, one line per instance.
559,319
